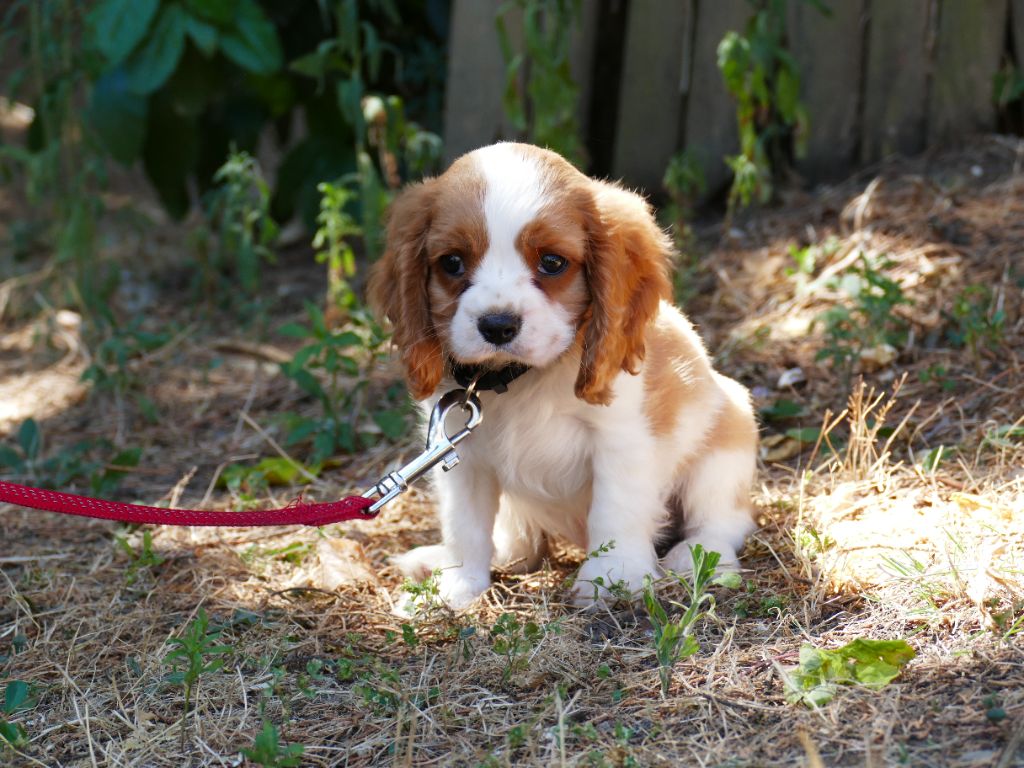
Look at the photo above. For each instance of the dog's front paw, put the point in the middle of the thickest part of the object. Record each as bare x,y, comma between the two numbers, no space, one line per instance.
609,578
458,587
417,564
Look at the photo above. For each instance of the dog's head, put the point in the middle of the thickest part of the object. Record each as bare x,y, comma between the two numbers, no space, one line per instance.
514,256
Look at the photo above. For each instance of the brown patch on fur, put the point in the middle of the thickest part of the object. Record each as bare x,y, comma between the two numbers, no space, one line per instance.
558,230
627,271
397,288
735,428
676,372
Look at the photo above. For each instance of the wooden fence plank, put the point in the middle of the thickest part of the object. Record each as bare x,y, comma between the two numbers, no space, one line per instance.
896,79
1017,18
828,52
711,131
581,60
473,113
968,52
650,98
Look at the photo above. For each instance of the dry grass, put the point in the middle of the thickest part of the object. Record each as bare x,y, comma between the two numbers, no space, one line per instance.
859,537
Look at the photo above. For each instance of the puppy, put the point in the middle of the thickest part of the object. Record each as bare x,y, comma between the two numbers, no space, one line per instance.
618,433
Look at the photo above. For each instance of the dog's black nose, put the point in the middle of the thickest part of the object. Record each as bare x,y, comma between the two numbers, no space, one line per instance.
499,328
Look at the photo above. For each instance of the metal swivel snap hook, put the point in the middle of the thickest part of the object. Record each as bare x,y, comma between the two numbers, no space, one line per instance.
440,447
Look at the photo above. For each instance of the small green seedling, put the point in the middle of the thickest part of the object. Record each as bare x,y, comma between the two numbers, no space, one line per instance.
514,641
199,652
870,663
17,697
867,321
143,558
673,639
268,751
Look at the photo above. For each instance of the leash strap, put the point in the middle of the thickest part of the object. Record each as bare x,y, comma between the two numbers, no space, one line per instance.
297,513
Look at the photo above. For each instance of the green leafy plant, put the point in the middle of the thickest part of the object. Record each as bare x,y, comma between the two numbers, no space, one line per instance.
514,640
335,229
268,751
540,95
238,209
84,460
17,698
673,638
197,652
684,182
870,663
764,79
331,367
139,559
975,321
867,321
60,166
115,358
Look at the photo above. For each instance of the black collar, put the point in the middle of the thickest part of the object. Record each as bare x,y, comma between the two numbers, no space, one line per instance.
496,379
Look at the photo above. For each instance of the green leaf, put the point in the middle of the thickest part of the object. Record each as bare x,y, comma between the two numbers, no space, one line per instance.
118,115
871,663
152,64
251,42
202,34
13,733
804,434
117,26
782,409
294,330
11,458
29,438
220,12
391,423
729,580
16,696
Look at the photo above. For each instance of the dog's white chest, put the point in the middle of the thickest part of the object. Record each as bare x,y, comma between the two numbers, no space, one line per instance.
536,450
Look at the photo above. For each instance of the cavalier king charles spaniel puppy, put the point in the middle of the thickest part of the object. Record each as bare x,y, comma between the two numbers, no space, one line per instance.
618,433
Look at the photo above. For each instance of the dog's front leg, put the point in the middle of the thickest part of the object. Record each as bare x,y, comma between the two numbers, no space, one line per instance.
468,506
625,516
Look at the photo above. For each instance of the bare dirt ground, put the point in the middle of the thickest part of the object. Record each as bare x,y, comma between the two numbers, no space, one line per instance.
862,533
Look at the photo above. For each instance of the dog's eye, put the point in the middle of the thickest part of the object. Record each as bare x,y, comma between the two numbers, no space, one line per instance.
552,264
452,264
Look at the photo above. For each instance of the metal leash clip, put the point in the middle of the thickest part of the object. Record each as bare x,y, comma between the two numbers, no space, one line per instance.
440,448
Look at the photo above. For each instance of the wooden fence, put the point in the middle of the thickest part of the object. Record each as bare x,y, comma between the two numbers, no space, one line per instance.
878,77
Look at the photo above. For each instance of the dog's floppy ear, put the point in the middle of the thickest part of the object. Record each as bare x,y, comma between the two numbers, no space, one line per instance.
627,273
397,288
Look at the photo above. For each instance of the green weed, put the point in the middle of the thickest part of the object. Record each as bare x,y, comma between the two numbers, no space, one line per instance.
340,358
17,698
84,460
540,95
335,229
139,559
238,211
268,751
975,321
197,652
685,183
114,360
673,639
763,78
866,321
514,640
870,663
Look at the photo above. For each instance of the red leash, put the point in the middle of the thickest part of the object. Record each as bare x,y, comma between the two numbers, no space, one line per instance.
440,449
298,513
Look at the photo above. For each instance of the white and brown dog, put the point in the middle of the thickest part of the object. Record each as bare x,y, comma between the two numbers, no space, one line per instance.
619,431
